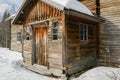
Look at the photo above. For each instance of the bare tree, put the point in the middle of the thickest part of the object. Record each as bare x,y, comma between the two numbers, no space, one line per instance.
5,30
5,15
12,10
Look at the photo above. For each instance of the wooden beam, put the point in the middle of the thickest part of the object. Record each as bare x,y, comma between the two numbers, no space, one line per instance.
64,40
38,11
98,7
41,10
97,41
46,11
33,46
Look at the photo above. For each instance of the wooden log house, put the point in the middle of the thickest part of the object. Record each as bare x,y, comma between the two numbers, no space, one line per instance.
59,37
14,30
109,30
110,33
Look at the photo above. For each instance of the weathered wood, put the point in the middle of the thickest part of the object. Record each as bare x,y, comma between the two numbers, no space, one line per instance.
42,11
109,32
68,53
16,45
64,40
80,52
91,4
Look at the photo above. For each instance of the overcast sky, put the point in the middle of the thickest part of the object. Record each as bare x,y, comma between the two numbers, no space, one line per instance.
8,4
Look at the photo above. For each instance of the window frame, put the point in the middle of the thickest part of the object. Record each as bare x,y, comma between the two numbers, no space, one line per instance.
55,28
19,36
84,35
28,32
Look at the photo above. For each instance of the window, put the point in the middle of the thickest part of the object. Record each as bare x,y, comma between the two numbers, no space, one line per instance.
18,36
55,31
28,31
83,32
27,36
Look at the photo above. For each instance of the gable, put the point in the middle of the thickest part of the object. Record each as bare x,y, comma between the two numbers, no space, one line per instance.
23,11
41,11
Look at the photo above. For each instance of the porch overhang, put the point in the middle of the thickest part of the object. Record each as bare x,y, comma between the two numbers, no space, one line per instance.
84,16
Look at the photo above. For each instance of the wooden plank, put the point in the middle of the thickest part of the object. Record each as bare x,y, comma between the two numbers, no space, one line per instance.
46,15
40,11
79,51
33,47
36,46
64,40
46,46
39,36
43,10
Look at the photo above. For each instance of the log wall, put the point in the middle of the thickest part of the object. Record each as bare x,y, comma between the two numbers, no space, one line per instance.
110,33
90,4
16,45
43,12
80,54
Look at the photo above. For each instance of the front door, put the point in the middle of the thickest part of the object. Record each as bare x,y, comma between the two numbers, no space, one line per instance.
41,45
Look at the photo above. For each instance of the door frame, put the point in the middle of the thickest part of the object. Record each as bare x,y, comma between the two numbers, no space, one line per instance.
33,26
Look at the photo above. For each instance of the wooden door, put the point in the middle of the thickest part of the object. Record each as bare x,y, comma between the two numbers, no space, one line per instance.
41,45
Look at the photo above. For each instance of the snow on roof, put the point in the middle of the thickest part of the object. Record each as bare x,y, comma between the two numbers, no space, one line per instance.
11,17
61,5
69,4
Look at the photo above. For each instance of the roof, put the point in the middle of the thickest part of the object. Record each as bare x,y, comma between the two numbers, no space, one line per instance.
73,5
69,4
11,17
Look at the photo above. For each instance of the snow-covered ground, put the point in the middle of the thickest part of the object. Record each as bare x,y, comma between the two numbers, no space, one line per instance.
101,73
10,69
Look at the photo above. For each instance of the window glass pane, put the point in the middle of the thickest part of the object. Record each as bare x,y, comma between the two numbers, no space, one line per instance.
27,36
55,37
54,31
81,37
55,24
81,32
85,36
82,27
18,36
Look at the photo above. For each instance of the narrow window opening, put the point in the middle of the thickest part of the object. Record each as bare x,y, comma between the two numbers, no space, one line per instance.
28,31
55,31
18,36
